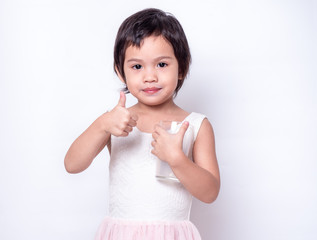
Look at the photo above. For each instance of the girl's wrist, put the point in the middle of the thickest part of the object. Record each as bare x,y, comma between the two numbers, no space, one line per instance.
177,158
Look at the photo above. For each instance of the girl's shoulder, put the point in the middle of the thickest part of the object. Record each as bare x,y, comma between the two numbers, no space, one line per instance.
196,121
194,116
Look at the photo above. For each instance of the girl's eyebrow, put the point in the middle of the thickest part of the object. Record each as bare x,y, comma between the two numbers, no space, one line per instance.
155,59
134,60
162,57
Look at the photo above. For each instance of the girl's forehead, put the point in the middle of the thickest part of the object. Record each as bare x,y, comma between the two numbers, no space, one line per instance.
150,47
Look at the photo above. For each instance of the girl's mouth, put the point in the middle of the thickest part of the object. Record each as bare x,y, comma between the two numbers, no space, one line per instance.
151,90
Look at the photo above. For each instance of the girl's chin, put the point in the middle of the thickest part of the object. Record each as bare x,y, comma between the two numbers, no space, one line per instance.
155,101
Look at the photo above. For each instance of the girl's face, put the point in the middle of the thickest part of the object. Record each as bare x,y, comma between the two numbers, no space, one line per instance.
151,71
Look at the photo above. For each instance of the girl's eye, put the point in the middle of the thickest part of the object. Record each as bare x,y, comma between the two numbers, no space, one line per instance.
137,66
161,65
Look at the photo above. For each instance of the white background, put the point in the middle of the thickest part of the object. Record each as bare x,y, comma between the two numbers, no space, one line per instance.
253,74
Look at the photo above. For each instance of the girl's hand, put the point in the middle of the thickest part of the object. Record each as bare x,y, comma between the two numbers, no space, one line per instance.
166,146
119,121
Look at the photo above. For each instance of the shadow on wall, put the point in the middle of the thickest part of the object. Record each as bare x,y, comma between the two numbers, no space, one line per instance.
207,218
199,94
195,96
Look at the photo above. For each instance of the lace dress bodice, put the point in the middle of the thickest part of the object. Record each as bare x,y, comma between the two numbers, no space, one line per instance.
135,192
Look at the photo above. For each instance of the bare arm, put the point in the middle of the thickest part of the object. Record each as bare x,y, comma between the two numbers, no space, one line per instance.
88,145
201,177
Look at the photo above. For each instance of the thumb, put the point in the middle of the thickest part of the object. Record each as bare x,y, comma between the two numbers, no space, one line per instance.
122,99
183,129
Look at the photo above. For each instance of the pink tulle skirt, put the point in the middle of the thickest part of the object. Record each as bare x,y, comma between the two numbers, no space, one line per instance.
115,229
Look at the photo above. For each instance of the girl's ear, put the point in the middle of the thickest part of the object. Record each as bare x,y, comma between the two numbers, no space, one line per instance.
119,75
180,76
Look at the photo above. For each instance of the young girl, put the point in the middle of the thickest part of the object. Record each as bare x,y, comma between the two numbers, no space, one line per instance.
151,57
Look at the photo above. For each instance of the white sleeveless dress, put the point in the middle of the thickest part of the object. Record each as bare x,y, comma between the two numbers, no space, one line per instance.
141,207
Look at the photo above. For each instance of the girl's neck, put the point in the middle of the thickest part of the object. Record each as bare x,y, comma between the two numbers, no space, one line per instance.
166,111
164,108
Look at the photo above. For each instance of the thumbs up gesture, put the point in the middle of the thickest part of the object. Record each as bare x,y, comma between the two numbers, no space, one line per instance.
167,146
122,100
120,121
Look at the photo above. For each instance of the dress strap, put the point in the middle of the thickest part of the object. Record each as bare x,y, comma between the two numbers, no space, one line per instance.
195,120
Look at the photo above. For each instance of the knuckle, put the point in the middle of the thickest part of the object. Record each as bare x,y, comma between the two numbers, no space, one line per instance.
124,134
125,121
121,132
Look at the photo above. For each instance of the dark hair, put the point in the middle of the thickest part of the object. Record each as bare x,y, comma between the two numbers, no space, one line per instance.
155,22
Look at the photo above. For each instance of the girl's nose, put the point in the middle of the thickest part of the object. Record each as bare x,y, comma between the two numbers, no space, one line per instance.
149,80
150,76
